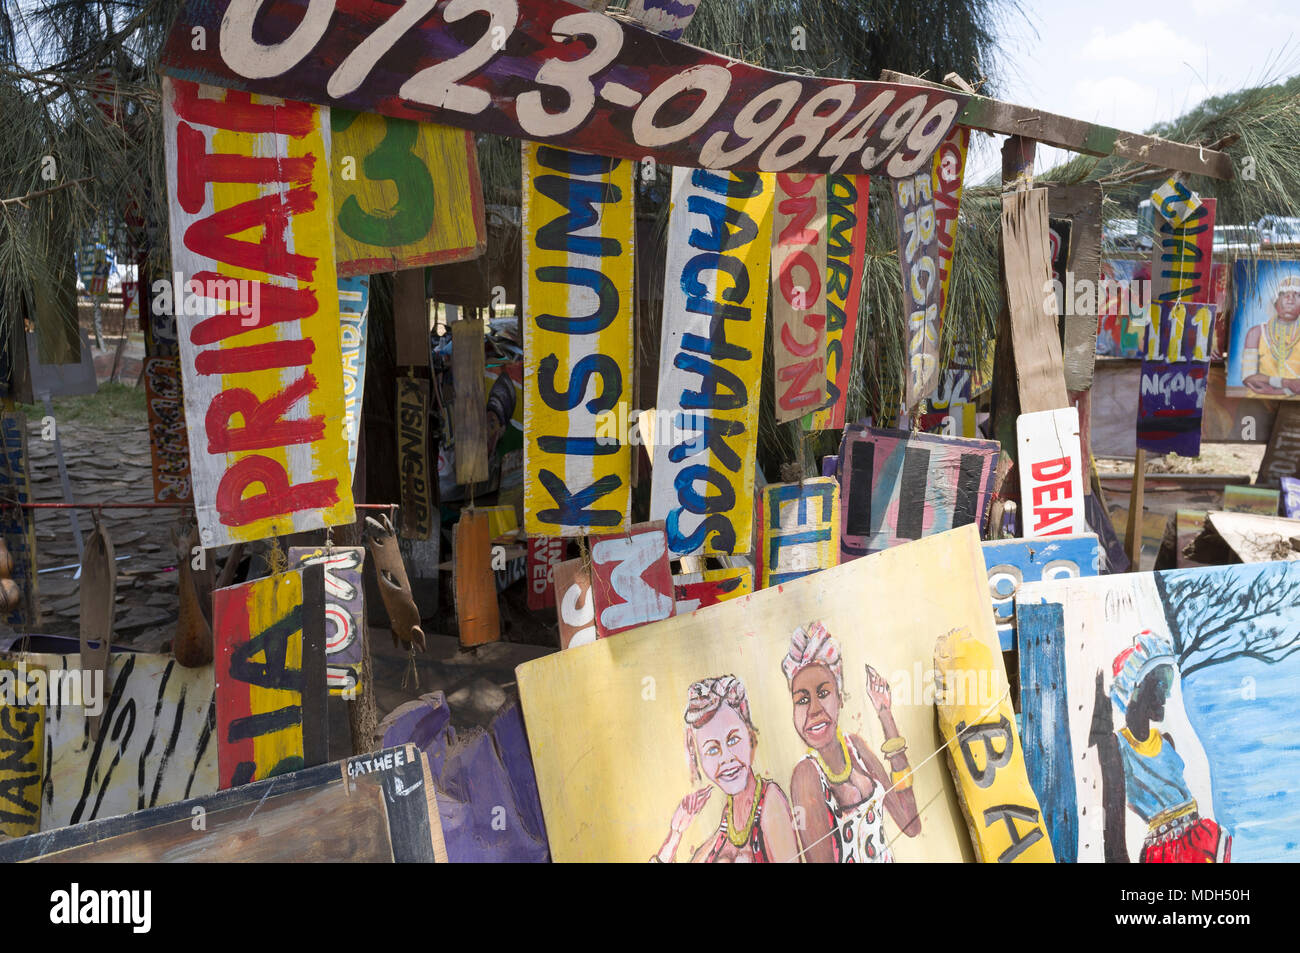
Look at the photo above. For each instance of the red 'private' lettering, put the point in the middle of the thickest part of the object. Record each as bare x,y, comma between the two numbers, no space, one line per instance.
237,112
278,304
278,495
210,237
196,167
1040,471
256,357
264,423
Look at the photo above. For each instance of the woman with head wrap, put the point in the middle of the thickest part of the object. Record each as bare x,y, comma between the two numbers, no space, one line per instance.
756,823
1141,770
841,786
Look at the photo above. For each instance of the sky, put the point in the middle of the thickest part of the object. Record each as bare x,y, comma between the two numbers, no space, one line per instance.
1130,63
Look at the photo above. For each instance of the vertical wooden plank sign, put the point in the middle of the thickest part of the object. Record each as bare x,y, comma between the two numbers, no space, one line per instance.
846,244
344,612
799,304
18,525
947,171
1036,339
711,359
271,692
798,530
574,608
544,554
469,411
631,581
406,194
918,257
578,226
699,590
22,752
415,518
169,442
477,612
1051,473
1183,254
252,236
354,309
1175,375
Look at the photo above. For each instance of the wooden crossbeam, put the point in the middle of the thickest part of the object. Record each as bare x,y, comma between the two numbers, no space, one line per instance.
992,115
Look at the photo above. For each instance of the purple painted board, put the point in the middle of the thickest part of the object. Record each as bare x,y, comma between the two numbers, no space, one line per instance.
1291,498
897,486
830,465
552,72
1175,375
344,612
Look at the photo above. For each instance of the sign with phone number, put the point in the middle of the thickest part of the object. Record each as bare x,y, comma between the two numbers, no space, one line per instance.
549,71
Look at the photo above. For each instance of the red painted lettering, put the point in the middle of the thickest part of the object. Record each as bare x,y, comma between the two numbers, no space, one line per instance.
278,496
196,167
813,289
1043,471
264,423
1047,517
277,305
210,237
256,357
236,111
1052,491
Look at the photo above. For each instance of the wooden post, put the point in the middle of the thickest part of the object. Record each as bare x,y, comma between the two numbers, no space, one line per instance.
411,318
469,413
1133,534
477,614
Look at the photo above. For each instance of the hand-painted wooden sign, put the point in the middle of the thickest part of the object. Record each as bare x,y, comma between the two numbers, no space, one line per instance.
947,172
811,650
711,359
846,244
22,754
1175,202
1264,340
574,607
985,754
918,257
1182,257
354,312
406,194
578,220
1175,375
271,690
952,408
1013,562
478,618
668,18
630,94
798,530
631,581
1291,498
155,744
169,443
898,486
698,590
415,518
1157,712
1051,473
345,612
374,808
18,525
544,554
263,348
799,294
1259,500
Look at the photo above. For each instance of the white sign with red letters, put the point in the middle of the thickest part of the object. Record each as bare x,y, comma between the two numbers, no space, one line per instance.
1051,473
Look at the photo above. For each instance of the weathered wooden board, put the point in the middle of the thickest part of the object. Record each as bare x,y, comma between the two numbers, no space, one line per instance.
919,260
798,530
1182,256
847,200
1175,202
406,194
169,443
1013,562
711,360
699,590
354,315
897,486
415,518
1081,205
1040,369
477,614
631,581
18,525
469,410
739,671
544,554
411,318
575,608
22,754
1188,525
1259,500
374,808
271,690
155,744
578,235
1175,378
799,294
688,107
1051,473
985,754
1249,537
1282,457
1264,343
345,612
264,348
1155,707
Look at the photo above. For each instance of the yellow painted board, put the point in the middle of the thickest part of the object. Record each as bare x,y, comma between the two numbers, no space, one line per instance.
22,751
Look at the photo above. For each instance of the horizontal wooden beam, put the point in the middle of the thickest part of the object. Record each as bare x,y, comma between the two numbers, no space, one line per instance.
992,115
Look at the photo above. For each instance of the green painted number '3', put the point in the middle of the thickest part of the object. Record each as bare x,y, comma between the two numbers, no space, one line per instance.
411,216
